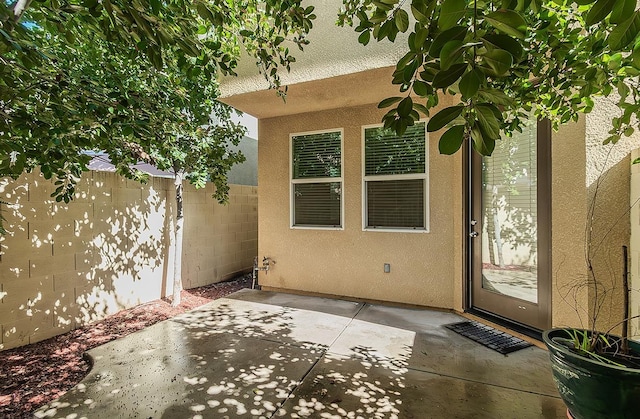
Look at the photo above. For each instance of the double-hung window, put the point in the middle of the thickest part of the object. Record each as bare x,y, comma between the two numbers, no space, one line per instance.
395,179
316,180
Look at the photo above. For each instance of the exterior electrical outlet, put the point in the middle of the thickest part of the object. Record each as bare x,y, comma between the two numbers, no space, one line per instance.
387,268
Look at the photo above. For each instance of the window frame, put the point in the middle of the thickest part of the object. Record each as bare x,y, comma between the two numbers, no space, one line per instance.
381,178
293,182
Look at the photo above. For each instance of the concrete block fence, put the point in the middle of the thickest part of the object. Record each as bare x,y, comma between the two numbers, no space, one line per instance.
66,265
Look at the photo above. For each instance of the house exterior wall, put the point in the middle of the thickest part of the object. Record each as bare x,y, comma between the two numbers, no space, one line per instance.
608,181
349,262
426,268
66,265
568,222
589,176
634,250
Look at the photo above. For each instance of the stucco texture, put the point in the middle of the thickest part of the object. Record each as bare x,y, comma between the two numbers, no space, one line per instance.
568,219
349,262
592,204
612,200
332,51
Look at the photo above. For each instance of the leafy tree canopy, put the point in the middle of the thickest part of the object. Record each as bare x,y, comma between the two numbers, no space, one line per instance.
111,74
501,59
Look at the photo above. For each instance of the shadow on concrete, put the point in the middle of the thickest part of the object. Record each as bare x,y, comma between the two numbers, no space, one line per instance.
242,357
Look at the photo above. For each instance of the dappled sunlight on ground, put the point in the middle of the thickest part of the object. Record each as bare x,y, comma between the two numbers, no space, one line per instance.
38,373
261,355
236,358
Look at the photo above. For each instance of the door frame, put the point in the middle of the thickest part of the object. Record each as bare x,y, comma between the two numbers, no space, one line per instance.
472,259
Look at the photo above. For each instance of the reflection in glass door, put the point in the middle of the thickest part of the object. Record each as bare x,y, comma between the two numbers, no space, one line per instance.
509,225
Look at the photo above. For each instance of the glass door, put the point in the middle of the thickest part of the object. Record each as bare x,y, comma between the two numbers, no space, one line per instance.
509,229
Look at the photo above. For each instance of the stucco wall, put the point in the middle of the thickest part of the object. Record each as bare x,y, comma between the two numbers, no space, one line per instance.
66,265
349,262
591,198
568,221
322,58
634,250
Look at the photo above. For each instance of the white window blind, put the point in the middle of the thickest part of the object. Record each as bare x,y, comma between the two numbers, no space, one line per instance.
316,180
395,179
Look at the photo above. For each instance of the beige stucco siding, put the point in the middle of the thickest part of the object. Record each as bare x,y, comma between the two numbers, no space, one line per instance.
582,165
349,262
568,221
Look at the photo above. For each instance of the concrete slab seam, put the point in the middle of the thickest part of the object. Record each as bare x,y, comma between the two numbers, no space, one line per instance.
323,352
480,382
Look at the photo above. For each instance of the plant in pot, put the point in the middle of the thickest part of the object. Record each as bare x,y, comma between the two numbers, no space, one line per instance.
597,373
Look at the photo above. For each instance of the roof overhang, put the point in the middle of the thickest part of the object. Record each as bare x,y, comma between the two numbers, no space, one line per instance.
355,89
333,71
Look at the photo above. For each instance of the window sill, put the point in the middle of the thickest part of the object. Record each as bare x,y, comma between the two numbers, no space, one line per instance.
396,230
316,228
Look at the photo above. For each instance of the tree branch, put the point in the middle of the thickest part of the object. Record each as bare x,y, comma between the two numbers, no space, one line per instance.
19,8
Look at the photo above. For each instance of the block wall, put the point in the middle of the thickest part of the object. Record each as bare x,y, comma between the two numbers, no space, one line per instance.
66,265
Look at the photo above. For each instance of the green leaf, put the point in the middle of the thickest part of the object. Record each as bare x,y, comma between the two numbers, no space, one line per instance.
636,56
622,10
405,107
495,96
470,83
455,33
419,107
482,144
488,121
204,12
446,78
155,5
419,13
421,36
599,11
421,88
451,140
385,103
623,34
451,12
364,37
499,61
402,20
382,5
509,22
451,52
442,118
155,57
505,42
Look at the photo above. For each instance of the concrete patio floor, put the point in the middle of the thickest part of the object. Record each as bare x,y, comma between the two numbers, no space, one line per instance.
264,354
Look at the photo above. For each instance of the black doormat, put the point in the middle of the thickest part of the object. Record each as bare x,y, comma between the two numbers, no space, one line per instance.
488,336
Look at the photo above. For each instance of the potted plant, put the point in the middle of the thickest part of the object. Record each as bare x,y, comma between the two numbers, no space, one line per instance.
596,372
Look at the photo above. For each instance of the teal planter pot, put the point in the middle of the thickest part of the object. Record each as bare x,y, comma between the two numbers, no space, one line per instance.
592,389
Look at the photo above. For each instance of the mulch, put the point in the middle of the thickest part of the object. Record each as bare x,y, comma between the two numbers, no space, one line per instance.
36,374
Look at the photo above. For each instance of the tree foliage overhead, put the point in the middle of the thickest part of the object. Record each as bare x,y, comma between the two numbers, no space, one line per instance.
87,74
503,58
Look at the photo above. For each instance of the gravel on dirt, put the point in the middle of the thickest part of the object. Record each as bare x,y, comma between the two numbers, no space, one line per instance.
36,374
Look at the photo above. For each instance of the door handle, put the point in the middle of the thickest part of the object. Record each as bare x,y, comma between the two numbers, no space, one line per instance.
473,234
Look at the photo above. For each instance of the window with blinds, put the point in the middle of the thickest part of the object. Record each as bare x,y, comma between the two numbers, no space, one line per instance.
316,179
395,176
